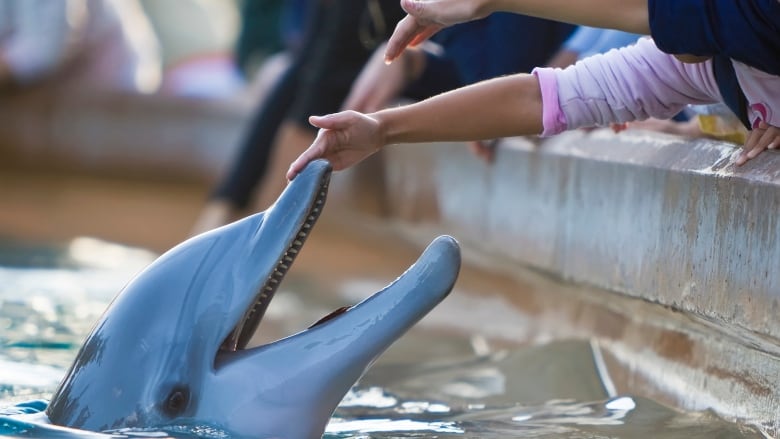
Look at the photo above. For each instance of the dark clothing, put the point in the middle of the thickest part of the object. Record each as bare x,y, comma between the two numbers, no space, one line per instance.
500,44
332,63
260,34
747,31
333,51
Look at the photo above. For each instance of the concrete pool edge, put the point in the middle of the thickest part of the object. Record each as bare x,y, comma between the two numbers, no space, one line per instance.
670,223
661,219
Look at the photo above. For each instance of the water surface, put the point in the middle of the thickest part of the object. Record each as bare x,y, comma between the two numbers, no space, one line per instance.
432,383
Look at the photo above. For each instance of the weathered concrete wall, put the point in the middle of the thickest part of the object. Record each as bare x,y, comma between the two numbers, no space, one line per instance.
131,135
650,217
669,221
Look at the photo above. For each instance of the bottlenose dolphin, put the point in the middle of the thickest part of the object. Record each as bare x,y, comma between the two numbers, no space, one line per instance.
171,349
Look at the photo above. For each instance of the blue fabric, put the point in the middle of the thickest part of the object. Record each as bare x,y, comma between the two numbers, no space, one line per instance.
744,30
583,39
500,44
293,22
609,39
587,41
732,94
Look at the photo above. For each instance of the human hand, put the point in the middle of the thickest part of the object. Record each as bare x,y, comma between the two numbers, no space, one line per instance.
380,83
425,18
764,136
344,139
485,150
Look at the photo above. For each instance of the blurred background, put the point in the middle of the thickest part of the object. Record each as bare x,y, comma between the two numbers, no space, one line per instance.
120,114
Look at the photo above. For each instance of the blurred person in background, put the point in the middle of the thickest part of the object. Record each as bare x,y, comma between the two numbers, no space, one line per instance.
104,45
268,28
197,38
270,34
586,41
338,38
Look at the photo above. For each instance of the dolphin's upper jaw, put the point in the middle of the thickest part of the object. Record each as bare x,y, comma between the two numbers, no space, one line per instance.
240,336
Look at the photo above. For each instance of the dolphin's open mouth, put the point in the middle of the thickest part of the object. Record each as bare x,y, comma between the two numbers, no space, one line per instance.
240,336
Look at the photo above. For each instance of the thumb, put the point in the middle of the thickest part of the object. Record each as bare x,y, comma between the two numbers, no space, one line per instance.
416,8
336,121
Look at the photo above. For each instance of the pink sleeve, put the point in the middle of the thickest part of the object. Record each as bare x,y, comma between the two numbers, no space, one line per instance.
553,119
631,83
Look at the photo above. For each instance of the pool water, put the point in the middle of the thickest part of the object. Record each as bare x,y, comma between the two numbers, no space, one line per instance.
432,383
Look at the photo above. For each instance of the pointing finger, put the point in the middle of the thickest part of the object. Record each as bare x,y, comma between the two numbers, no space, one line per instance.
405,32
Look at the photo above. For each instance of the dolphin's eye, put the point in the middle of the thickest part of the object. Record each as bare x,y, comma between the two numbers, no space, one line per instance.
177,401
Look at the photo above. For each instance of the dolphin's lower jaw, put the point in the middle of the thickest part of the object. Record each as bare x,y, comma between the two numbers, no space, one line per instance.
308,374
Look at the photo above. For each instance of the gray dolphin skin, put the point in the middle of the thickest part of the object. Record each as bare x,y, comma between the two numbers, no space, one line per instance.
171,349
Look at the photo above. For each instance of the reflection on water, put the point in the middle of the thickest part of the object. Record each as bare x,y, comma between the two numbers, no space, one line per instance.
429,384
49,299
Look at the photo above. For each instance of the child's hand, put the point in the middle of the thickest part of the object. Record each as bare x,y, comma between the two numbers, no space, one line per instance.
425,18
344,139
763,137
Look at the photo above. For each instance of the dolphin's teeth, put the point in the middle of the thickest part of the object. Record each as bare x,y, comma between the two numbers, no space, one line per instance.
302,234
293,250
288,259
273,280
298,242
285,267
307,226
262,296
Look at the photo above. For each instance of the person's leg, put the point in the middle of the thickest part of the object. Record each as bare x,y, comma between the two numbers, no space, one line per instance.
233,193
326,79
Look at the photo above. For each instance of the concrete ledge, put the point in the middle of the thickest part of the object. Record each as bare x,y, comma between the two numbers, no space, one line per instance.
139,136
665,220
645,216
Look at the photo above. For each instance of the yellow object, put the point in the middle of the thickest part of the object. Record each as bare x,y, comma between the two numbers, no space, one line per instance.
728,129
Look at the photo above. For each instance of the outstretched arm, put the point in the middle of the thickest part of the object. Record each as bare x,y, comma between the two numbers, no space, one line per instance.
426,17
502,107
